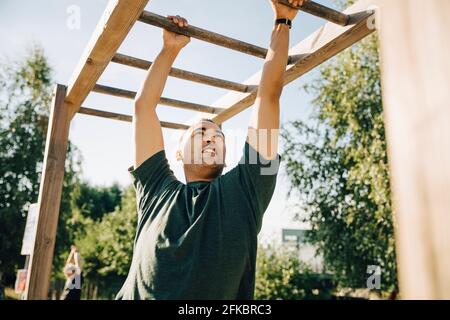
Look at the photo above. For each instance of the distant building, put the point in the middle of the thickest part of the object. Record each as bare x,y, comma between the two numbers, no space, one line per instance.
296,238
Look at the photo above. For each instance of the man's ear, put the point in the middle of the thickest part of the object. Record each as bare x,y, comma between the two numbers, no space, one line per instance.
179,155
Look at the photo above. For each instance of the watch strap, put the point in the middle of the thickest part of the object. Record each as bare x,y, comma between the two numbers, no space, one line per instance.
284,21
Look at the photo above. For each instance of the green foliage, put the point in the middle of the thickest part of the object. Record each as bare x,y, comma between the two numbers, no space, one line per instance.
98,219
337,163
107,246
280,275
82,204
94,202
25,97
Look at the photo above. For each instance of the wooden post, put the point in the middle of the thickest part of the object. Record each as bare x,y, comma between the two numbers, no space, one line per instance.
415,60
50,189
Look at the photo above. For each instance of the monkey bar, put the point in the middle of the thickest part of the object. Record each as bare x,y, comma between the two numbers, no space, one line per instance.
415,88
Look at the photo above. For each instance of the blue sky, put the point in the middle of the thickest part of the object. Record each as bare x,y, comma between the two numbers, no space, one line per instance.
106,144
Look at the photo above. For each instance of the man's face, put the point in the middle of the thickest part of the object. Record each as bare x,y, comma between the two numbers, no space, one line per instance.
204,150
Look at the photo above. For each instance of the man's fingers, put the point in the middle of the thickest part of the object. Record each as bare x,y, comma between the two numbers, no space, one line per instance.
175,19
172,18
182,21
297,3
178,20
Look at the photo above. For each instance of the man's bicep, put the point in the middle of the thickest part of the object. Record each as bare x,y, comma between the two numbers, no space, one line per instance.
257,178
250,187
259,183
148,138
151,177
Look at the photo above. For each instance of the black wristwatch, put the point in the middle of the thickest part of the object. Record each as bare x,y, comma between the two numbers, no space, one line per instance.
284,21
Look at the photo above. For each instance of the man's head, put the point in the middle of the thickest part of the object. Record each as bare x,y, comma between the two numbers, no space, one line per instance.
202,150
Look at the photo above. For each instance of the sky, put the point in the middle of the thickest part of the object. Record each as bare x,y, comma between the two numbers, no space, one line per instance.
105,144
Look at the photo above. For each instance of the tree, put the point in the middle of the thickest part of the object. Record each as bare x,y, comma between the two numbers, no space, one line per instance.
94,202
337,164
25,97
106,246
281,275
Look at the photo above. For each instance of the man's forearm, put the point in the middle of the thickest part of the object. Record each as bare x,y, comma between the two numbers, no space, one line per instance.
266,113
150,92
145,119
272,77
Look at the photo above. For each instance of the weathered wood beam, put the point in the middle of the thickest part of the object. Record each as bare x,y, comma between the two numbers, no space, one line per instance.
205,35
183,74
164,101
322,45
321,11
117,20
41,259
202,34
126,118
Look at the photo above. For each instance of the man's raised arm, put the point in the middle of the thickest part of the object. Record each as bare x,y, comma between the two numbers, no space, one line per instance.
265,120
148,138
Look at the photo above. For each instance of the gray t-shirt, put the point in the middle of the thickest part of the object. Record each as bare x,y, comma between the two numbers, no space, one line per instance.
198,240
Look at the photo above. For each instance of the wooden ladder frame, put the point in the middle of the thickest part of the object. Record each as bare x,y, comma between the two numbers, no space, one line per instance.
415,87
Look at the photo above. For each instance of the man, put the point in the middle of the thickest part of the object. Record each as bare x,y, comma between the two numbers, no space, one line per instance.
198,240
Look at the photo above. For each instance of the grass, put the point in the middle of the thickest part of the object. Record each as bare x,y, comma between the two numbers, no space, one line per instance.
10,294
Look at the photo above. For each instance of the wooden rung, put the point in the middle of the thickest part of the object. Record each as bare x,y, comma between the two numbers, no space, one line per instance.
183,74
321,11
202,34
190,106
164,101
126,118
322,45
205,35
